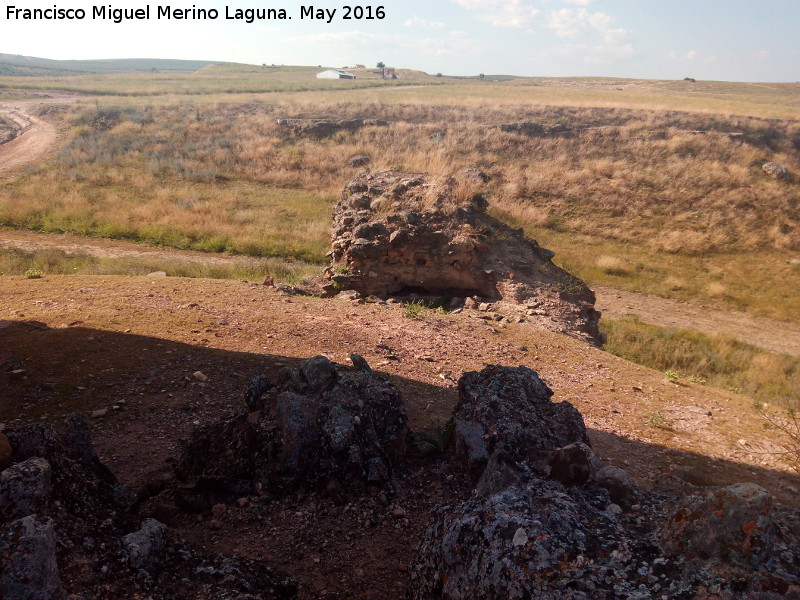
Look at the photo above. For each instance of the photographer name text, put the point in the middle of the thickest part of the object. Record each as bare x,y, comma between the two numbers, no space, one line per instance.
169,13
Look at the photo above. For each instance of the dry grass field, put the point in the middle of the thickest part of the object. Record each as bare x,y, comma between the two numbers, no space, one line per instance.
654,187
664,202
643,185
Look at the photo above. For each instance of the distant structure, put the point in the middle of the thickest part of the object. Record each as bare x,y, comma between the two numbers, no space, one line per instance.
389,73
335,74
359,67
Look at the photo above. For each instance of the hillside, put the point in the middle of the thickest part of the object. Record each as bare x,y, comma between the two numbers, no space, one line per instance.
16,65
138,341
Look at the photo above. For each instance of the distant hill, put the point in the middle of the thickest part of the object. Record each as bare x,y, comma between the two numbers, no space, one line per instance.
16,65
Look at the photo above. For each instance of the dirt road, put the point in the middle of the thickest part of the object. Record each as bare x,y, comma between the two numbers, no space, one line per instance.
771,334
33,136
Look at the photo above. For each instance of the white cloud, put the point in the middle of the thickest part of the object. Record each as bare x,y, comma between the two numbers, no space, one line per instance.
516,14
578,2
690,55
601,42
416,21
709,60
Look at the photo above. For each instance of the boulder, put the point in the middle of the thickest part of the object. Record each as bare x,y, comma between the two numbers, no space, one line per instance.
575,464
775,170
509,409
730,524
359,160
618,484
28,565
64,517
321,426
24,489
398,233
145,547
525,542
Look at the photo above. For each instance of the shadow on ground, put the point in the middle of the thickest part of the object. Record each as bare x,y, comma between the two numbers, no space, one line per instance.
145,394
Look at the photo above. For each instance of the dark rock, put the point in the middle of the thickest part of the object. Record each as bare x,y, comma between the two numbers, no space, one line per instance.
509,409
475,174
529,542
258,387
618,484
145,547
730,524
359,363
28,565
359,160
522,128
321,423
78,438
82,528
32,440
501,472
775,170
318,371
321,128
574,464
24,489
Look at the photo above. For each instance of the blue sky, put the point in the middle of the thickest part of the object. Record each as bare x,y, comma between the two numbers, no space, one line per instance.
736,40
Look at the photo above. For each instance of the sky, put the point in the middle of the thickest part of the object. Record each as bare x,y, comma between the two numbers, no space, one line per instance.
729,40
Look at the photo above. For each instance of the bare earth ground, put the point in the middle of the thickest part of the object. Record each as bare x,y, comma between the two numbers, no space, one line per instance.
37,135
778,336
131,345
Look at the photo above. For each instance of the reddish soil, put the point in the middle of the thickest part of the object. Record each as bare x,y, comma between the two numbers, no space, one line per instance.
131,345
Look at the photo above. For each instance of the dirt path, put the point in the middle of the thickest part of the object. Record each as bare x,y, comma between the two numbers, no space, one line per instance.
106,248
33,135
771,334
664,312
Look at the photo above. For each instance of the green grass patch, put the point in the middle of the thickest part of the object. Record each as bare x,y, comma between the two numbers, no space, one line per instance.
39,263
718,360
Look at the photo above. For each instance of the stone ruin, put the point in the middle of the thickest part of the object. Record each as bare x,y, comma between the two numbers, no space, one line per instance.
398,233
321,427
67,525
547,518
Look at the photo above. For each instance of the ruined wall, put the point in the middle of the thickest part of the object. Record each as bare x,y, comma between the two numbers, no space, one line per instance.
395,233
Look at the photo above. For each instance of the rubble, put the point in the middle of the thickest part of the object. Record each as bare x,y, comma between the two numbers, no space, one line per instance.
549,520
319,427
67,529
398,233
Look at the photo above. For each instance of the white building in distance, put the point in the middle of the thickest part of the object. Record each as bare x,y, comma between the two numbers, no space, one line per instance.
335,74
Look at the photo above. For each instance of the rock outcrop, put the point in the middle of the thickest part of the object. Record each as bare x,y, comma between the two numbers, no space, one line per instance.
508,410
397,233
775,170
67,530
321,128
321,427
550,521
